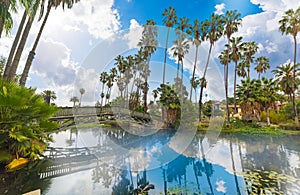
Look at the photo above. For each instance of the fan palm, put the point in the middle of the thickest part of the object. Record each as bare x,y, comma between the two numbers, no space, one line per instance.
215,31
290,24
284,76
81,91
74,99
51,3
249,49
103,79
170,19
236,46
232,20
262,64
48,95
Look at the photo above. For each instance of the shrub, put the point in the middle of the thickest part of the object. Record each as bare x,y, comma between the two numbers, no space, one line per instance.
276,117
24,125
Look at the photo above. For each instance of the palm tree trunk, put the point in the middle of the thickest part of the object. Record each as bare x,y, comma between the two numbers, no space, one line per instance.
203,80
268,116
14,46
234,88
165,182
197,179
17,57
294,84
226,93
194,70
177,72
164,71
165,57
233,168
32,52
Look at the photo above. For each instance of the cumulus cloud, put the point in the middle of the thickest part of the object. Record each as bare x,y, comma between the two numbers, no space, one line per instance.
219,9
220,186
53,63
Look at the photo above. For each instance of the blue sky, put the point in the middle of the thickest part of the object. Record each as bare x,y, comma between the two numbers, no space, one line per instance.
63,60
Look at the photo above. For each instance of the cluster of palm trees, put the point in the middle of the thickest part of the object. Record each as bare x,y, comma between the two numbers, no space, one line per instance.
240,53
31,8
75,99
132,69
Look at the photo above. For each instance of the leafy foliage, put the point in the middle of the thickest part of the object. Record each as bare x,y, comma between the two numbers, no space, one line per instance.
24,124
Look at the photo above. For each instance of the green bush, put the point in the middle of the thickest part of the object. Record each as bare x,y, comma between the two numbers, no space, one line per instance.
288,110
276,117
24,125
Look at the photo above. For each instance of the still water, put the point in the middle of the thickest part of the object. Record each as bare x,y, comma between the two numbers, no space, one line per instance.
111,161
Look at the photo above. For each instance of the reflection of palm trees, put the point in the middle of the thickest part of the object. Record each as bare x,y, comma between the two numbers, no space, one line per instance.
208,169
233,168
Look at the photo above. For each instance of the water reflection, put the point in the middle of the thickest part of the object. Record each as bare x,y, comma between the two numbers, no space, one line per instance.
110,161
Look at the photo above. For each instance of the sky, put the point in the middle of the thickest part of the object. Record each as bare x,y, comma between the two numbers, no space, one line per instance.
75,46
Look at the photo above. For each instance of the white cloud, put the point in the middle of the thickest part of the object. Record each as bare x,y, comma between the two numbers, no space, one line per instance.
219,9
220,186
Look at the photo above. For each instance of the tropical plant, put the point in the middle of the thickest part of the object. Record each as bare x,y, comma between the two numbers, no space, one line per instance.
74,99
249,49
290,24
284,76
48,95
225,60
170,100
81,91
170,19
236,46
262,64
268,95
215,28
232,20
24,127
103,79
51,3
198,36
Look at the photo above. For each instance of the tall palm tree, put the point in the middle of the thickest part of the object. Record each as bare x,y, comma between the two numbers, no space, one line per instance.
74,99
81,91
103,79
284,76
225,60
215,31
170,19
232,20
198,37
262,64
148,43
11,69
290,24
48,95
236,47
241,69
51,3
6,21
180,48
249,49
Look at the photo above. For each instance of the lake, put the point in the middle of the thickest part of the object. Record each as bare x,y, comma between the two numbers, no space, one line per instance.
102,160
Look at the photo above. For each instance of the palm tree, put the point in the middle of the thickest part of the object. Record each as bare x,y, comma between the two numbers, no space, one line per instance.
81,91
225,59
48,95
198,37
232,21
241,69
215,31
249,49
169,20
148,43
6,21
11,69
180,48
262,64
103,79
51,3
74,99
268,95
284,76
290,24
236,46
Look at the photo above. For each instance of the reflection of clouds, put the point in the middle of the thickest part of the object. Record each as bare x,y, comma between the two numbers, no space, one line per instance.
220,186
139,159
